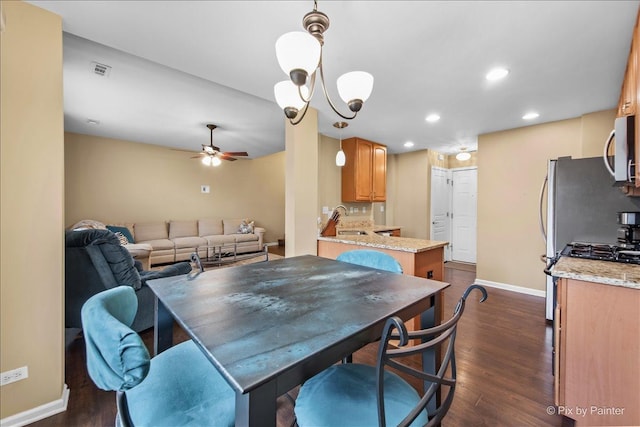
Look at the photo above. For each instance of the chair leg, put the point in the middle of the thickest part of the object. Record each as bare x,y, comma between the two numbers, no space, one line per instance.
348,359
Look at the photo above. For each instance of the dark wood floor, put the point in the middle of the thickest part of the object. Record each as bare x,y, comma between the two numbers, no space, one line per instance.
503,356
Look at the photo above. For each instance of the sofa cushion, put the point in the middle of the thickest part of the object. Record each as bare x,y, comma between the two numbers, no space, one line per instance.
183,229
246,238
189,242
209,227
123,230
231,226
151,231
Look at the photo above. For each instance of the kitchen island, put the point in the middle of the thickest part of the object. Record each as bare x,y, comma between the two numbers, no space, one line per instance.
418,257
597,341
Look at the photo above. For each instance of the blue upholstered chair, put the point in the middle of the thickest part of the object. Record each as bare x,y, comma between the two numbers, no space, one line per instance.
373,259
95,261
360,395
179,387
370,258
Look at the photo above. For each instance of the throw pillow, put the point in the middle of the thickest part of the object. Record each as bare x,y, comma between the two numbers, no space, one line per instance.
123,239
124,230
246,227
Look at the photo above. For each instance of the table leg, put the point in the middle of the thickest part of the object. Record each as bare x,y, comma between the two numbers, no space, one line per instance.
163,328
257,408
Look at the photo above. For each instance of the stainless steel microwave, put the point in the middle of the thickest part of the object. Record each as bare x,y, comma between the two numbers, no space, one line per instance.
623,167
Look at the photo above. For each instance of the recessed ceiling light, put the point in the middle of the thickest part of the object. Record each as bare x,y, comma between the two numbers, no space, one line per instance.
530,116
408,144
432,118
497,74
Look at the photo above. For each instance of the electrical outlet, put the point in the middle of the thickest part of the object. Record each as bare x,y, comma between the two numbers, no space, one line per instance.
205,189
14,375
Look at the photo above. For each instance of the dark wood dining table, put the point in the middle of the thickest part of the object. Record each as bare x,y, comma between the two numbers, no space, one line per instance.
269,326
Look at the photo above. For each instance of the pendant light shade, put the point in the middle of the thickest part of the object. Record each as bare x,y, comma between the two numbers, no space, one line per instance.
215,161
287,95
356,85
206,160
298,50
341,159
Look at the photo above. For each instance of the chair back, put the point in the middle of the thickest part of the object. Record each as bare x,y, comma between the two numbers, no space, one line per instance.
117,358
371,258
402,358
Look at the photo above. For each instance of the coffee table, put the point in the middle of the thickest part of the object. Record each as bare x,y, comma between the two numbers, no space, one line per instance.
224,253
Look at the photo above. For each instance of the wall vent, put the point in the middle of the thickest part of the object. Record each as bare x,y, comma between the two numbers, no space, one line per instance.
101,70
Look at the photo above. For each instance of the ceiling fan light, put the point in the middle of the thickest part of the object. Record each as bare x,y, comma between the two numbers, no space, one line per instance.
463,156
340,158
215,161
356,85
287,96
298,50
206,160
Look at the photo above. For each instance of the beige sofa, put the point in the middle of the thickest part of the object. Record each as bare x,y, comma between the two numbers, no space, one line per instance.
176,240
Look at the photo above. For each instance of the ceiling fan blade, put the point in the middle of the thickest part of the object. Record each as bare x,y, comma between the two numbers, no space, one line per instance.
199,156
235,153
225,157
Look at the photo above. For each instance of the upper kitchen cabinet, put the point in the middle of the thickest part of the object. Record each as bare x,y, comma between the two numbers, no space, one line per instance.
364,175
628,104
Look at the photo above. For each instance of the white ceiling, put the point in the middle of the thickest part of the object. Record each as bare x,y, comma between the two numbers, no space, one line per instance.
178,65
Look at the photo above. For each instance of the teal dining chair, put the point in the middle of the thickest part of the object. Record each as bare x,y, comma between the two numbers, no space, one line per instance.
371,258
354,394
178,387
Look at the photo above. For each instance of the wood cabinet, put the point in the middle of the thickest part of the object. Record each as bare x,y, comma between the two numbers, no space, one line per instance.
597,353
364,175
630,97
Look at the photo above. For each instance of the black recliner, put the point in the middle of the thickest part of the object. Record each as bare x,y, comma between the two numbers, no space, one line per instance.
96,261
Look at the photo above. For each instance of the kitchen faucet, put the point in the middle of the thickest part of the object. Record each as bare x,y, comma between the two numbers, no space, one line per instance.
346,212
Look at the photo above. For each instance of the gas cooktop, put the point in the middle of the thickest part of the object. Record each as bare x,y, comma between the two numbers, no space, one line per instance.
602,252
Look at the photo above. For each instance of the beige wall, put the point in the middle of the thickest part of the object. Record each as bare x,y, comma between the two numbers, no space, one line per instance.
511,168
31,207
408,188
116,181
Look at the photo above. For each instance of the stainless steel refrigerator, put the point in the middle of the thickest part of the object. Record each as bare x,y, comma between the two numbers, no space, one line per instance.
582,206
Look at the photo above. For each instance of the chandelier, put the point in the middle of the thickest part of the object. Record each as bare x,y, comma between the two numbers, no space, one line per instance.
300,57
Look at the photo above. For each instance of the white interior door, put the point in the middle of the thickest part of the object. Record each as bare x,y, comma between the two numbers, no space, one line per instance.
440,207
464,214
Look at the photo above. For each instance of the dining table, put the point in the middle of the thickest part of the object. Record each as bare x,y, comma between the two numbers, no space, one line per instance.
269,326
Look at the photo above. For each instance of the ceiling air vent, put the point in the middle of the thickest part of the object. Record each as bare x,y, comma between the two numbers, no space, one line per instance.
100,69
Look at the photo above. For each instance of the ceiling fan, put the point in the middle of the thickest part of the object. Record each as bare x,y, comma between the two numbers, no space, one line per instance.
211,155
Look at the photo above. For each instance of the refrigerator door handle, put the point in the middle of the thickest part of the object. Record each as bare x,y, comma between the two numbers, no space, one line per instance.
540,217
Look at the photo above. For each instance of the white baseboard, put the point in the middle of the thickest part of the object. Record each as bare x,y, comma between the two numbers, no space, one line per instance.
38,413
512,288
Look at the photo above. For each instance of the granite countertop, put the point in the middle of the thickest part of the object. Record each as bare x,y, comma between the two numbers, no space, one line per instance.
606,272
373,240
